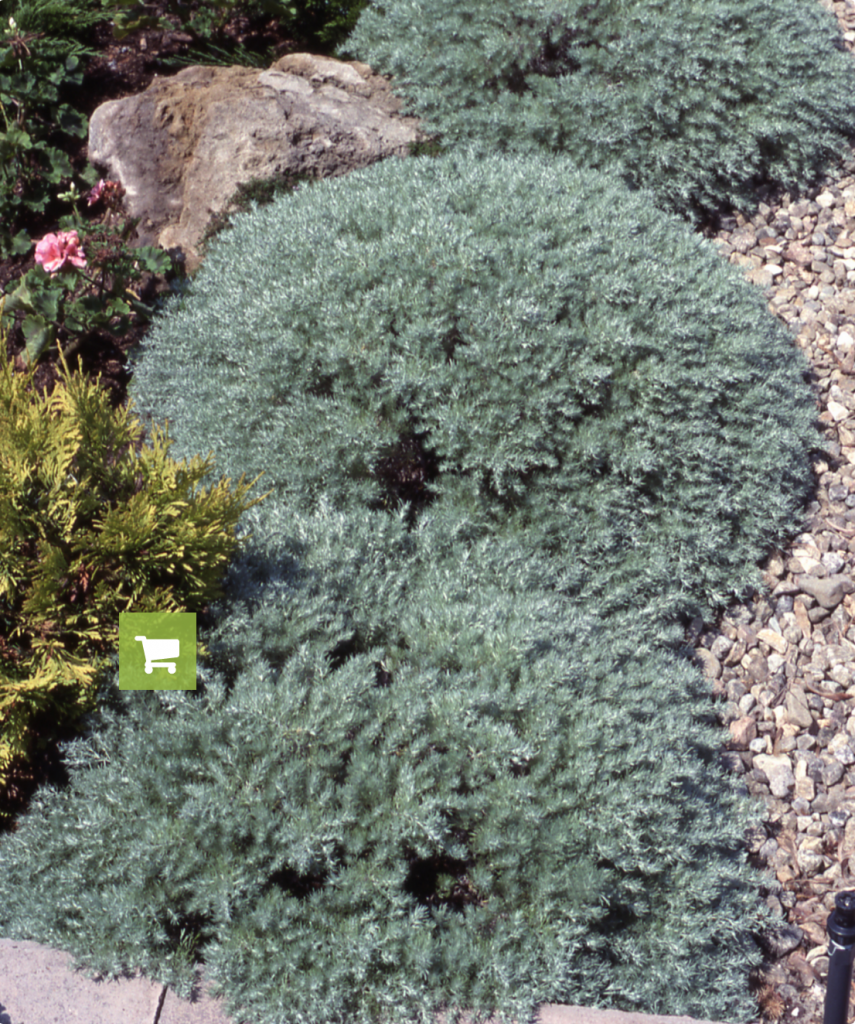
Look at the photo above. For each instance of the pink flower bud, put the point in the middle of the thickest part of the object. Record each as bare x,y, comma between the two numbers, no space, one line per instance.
95,193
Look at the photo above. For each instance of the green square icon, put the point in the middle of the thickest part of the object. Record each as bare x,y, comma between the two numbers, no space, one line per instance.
157,651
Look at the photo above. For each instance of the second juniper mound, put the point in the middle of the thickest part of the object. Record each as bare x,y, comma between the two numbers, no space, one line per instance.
525,342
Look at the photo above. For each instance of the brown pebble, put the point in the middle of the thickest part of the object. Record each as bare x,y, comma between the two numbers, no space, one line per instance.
801,615
743,731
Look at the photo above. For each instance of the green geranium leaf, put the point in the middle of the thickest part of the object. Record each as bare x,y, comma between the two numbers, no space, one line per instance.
90,308
123,24
24,84
90,176
60,166
72,122
18,244
154,260
38,334
36,203
48,302
17,137
21,298
33,295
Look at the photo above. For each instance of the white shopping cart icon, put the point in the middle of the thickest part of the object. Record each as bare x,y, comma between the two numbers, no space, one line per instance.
156,649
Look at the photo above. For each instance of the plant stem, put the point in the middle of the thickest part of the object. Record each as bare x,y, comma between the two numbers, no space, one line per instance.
71,348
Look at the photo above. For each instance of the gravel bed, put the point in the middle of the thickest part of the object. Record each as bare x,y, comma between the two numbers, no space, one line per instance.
783,664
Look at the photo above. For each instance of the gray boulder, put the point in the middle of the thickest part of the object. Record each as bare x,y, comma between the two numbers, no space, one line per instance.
181,148
829,591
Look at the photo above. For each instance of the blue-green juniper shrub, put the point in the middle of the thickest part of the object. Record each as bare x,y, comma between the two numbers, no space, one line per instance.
408,780
529,344
699,101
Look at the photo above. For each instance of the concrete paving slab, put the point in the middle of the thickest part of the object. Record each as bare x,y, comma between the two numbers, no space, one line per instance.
39,986
552,1014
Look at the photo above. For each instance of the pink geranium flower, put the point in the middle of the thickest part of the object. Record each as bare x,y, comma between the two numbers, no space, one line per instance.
53,250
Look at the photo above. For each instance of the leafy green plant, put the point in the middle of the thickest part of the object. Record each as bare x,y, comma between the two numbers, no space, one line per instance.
89,528
329,22
699,102
317,21
216,56
82,282
40,56
31,167
60,26
129,15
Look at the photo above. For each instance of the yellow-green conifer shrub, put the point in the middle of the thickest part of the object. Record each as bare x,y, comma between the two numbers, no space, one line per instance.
90,528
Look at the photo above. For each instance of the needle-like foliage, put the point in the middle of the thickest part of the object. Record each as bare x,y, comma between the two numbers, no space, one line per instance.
699,100
530,344
514,422
412,781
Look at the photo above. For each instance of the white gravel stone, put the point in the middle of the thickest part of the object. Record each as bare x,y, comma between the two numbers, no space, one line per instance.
774,640
792,649
779,771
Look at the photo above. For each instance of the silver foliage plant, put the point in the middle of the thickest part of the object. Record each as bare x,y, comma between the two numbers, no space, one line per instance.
580,368
514,421
409,780
698,101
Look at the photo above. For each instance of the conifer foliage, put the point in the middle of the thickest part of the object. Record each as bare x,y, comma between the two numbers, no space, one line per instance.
527,343
514,421
89,530
699,101
412,781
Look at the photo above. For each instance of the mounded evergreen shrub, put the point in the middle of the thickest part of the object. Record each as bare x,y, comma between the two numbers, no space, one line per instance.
513,420
412,781
520,341
90,528
699,100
